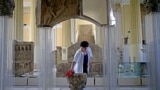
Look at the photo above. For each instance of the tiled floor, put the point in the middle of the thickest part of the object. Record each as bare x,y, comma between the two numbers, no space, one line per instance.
87,88
62,88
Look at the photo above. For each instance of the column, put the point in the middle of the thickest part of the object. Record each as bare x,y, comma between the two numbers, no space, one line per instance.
33,21
125,9
102,39
156,63
66,38
153,48
54,44
66,33
97,36
135,31
45,58
126,27
118,37
104,61
18,20
54,38
132,30
33,30
150,51
6,42
109,59
118,29
73,31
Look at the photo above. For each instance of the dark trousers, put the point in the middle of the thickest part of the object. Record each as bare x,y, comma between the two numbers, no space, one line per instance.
85,66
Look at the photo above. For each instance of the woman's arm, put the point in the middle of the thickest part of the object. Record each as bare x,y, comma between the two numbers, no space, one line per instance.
75,59
72,65
89,50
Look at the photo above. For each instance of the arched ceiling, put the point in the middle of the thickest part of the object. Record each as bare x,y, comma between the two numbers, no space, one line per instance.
96,10
51,12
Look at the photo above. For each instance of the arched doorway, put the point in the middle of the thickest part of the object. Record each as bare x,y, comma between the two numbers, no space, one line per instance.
65,51
96,16
61,52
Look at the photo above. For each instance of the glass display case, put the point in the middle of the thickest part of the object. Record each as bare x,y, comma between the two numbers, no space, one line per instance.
132,69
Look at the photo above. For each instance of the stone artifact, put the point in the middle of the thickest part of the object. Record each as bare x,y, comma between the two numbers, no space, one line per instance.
57,55
77,81
6,7
56,11
24,58
62,68
96,70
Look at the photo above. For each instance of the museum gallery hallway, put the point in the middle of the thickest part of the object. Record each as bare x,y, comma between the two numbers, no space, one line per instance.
39,39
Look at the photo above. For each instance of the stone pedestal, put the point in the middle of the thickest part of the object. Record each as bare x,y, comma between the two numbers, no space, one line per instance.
77,81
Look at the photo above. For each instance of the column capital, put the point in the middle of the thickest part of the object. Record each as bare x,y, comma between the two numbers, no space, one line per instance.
6,7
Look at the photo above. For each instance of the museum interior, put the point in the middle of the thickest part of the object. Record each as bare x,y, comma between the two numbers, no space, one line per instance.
39,38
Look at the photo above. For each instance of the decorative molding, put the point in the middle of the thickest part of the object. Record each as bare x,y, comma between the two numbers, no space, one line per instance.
6,7
151,6
55,11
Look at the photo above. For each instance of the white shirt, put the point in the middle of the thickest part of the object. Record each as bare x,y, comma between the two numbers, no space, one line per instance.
78,58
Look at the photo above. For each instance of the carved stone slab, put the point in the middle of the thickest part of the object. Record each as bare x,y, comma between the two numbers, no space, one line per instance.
55,11
24,57
96,50
62,68
96,70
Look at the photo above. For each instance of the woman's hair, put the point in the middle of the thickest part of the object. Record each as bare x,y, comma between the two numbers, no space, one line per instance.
84,44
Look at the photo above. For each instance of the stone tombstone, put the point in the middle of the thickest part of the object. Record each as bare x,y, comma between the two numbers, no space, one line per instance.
24,58
96,70
58,55
96,50
62,68
56,11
